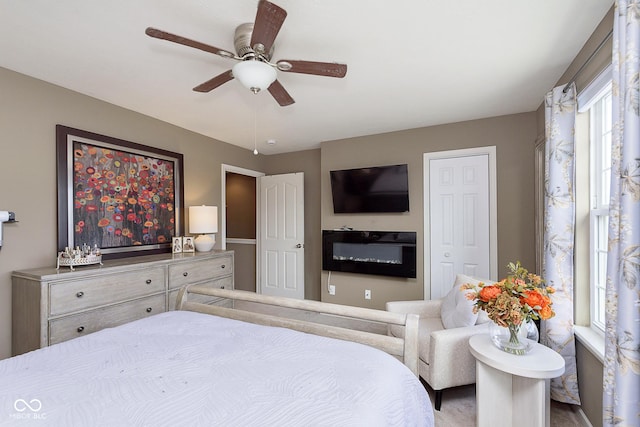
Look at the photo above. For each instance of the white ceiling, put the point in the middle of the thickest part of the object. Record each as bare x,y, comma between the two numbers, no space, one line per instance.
411,63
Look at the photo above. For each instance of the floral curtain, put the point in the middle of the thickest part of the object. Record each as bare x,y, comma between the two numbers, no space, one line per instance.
559,229
622,330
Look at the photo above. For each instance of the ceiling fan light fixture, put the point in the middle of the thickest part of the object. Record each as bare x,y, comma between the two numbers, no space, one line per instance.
254,75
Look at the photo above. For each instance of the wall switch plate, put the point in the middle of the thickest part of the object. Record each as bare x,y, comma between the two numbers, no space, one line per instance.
332,289
367,294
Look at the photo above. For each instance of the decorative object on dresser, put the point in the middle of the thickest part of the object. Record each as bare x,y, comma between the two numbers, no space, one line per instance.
188,245
78,256
124,197
203,220
51,306
176,248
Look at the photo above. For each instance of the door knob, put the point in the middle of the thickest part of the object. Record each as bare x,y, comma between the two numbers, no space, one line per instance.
299,246
447,254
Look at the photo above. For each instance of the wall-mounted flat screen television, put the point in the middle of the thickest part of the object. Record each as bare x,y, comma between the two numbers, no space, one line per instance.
370,190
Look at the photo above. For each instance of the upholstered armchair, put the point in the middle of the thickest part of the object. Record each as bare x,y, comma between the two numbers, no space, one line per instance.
445,326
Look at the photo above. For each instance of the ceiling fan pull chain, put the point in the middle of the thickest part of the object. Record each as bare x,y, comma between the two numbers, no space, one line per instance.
255,119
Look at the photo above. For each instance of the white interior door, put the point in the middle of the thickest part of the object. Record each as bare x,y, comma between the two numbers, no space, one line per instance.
281,241
460,212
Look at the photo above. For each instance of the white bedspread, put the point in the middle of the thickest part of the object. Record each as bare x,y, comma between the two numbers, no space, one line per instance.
186,369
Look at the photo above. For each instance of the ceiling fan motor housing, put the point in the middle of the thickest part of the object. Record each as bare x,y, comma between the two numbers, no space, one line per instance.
242,43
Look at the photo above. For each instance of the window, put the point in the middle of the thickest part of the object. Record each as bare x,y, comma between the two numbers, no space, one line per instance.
600,119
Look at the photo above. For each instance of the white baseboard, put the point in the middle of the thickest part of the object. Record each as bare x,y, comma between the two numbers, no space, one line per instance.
583,416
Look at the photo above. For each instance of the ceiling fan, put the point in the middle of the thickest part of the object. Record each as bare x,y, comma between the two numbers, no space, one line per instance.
254,48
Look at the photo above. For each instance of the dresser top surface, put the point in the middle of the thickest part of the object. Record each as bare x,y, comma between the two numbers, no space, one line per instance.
51,273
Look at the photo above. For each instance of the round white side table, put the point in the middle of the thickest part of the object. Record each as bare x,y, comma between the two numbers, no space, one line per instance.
513,390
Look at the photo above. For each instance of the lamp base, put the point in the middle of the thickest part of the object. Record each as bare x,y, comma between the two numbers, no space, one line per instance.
205,242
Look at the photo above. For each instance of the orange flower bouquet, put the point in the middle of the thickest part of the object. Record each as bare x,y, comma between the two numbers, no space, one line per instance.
513,302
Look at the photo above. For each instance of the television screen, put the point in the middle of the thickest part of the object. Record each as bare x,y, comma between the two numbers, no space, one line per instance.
369,190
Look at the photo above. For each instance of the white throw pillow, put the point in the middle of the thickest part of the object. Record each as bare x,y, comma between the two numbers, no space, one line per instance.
457,310
483,317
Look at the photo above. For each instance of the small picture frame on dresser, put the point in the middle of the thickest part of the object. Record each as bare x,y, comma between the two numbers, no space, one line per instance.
177,245
187,244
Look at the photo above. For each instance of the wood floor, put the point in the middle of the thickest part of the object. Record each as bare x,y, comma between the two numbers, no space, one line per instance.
459,409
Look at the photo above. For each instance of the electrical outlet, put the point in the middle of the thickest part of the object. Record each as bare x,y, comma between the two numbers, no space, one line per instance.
332,289
367,294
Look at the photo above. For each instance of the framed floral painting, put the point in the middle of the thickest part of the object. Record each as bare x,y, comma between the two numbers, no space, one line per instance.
123,197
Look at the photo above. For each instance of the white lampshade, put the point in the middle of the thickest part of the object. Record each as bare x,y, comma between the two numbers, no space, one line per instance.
203,220
254,75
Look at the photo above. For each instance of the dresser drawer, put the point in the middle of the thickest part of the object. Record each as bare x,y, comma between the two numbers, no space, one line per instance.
71,296
224,283
185,273
76,325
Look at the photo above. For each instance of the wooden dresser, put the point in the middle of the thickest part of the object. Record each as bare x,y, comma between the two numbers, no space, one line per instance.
50,306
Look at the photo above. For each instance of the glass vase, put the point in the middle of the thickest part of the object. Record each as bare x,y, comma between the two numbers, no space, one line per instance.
514,339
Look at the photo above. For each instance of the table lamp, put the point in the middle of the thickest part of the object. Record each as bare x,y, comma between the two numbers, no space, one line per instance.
203,220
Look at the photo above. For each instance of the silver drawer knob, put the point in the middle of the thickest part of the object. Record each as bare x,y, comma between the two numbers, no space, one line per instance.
148,281
222,266
149,309
80,328
80,294
185,274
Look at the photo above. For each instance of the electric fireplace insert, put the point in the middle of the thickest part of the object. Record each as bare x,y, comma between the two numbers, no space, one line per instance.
385,253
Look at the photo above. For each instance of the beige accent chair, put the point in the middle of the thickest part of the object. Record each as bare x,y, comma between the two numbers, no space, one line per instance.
445,326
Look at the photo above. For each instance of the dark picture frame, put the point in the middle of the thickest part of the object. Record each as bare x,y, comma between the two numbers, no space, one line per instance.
123,197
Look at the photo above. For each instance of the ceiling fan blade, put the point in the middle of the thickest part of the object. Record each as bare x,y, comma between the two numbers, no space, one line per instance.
280,94
218,80
163,35
269,19
329,69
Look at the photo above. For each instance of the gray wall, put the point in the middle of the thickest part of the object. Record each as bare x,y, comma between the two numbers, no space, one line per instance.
590,381
514,138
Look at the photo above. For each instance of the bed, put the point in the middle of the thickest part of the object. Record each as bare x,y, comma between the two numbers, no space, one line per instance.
224,366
